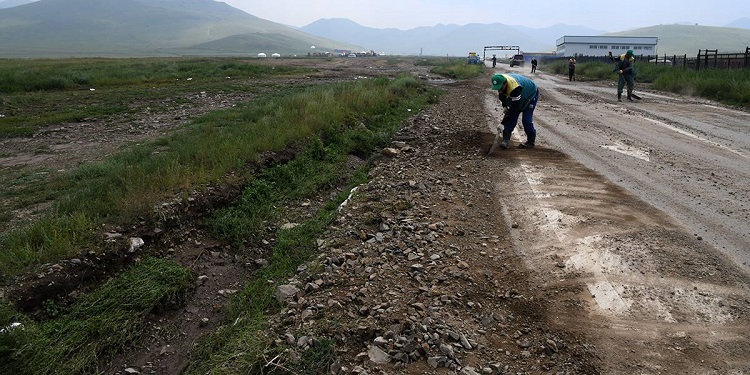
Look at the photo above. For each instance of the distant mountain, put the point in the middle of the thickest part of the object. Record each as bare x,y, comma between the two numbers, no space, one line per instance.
440,40
14,3
456,40
117,28
743,23
54,28
688,39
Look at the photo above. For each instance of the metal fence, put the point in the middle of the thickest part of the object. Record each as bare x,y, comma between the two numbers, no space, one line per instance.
705,59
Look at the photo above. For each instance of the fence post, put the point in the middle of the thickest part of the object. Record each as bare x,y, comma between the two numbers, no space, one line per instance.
716,58
747,54
698,61
705,63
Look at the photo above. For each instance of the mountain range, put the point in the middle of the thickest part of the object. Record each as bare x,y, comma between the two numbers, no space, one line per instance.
688,39
59,28
456,40
14,3
441,40
119,28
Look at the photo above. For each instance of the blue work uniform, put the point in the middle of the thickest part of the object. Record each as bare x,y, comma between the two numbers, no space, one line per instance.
520,97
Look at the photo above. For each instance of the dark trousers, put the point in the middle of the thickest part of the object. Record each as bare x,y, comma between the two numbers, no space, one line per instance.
527,120
571,74
623,80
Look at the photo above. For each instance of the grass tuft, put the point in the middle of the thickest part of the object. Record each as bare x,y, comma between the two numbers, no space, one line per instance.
99,325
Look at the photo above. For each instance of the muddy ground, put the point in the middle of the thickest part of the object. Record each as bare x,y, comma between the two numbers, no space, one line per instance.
619,245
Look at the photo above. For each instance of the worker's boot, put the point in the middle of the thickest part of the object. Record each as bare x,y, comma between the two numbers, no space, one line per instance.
630,97
507,132
619,97
530,140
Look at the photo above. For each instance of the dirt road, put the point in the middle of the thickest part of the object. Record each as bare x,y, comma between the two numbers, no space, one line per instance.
649,209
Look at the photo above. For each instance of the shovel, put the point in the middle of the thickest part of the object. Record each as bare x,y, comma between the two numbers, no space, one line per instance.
495,143
499,134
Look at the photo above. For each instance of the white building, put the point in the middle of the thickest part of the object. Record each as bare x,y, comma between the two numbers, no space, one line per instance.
602,45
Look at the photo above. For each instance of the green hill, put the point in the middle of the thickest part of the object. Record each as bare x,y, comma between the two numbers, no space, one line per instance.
57,28
688,39
251,43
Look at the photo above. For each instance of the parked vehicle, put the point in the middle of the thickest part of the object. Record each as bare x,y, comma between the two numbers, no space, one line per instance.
517,60
473,58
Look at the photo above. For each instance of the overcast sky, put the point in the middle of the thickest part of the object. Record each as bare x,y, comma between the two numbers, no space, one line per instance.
604,15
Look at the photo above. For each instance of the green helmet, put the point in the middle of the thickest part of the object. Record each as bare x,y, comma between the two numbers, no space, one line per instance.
629,53
497,81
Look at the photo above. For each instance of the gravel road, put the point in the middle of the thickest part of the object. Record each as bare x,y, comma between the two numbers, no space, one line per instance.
647,205
687,157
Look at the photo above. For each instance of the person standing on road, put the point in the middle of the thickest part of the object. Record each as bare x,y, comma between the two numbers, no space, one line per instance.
572,69
518,96
626,70
494,60
533,65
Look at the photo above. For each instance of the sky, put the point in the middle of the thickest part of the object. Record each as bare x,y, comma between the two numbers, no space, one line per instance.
606,15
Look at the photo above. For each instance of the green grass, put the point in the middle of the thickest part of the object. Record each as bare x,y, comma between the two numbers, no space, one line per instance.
453,67
99,325
43,92
242,347
83,74
130,184
729,86
324,124
726,86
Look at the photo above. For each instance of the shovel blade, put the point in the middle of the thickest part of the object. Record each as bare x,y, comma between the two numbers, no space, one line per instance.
495,143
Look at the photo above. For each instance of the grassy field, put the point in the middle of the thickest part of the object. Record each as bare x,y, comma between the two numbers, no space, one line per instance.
42,92
324,124
454,67
731,87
